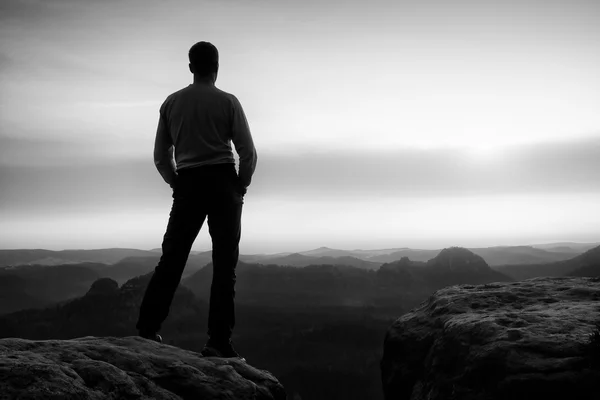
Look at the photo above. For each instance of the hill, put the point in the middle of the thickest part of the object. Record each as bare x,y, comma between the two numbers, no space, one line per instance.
35,286
285,286
301,260
503,255
104,310
400,282
493,256
458,265
451,266
131,267
413,254
578,248
15,294
586,264
50,257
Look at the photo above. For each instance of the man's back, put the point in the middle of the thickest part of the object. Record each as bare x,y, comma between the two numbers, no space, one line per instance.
199,118
200,121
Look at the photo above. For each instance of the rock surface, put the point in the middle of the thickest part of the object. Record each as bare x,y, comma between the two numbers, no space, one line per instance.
517,340
125,368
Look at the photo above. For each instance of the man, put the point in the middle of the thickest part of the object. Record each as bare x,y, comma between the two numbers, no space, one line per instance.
196,126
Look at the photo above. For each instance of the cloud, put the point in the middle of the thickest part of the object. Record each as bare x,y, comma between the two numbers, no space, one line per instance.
125,104
5,62
96,182
34,11
558,167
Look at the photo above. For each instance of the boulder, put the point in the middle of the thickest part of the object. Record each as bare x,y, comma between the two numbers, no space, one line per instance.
513,340
125,368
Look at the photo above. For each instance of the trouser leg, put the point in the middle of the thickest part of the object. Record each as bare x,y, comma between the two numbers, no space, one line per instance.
185,220
225,230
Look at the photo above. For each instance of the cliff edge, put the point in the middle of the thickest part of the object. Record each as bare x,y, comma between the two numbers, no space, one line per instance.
125,368
513,340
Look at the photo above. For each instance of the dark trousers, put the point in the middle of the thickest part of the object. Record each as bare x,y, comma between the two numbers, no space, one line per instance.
199,193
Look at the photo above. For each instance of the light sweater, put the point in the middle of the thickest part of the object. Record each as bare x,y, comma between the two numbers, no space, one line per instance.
196,127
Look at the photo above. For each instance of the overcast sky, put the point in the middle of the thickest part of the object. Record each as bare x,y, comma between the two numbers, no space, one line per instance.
378,123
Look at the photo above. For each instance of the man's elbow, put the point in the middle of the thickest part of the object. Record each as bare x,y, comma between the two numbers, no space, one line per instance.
159,162
162,156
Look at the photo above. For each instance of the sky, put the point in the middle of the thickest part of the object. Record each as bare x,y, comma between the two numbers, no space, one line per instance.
378,124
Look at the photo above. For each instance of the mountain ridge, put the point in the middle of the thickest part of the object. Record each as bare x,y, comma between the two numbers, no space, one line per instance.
585,264
495,255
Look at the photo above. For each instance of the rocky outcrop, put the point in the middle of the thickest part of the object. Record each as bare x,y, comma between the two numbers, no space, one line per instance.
458,259
103,287
517,340
125,368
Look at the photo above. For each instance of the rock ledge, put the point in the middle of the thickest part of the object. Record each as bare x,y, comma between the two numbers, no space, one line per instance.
125,368
518,340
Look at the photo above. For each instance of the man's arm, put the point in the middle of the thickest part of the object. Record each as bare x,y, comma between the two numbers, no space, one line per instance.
163,152
244,145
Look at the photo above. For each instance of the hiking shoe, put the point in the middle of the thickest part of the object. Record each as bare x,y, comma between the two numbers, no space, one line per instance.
220,349
152,336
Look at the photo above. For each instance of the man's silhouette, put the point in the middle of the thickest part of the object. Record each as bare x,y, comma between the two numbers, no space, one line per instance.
196,127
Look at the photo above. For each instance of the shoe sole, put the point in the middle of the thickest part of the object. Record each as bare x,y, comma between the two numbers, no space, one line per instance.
157,338
210,352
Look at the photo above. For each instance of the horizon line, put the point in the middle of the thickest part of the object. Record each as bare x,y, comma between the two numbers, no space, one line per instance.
316,248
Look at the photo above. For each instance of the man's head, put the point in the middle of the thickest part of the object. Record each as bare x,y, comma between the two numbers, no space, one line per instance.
204,60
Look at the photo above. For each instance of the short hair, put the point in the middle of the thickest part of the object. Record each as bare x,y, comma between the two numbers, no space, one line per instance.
204,58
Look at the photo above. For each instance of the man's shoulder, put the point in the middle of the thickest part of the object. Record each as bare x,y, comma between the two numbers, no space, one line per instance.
169,100
215,93
226,95
177,93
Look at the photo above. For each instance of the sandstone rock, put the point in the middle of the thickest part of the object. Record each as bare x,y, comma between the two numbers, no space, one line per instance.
517,340
458,259
103,286
125,368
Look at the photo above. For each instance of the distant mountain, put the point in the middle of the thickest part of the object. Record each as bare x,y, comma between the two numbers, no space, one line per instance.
358,253
300,260
15,294
563,249
457,265
38,286
326,252
413,254
500,255
393,283
586,264
458,260
350,261
50,257
365,254
104,310
284,286
452,266
262,258
567,246
581,265
131,267
292,260
504,255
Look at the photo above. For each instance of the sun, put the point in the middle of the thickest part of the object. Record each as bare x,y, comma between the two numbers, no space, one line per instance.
485,152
